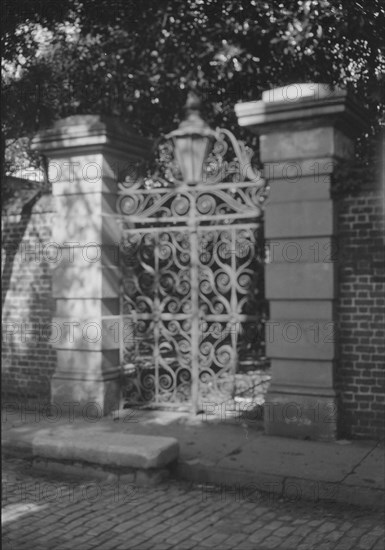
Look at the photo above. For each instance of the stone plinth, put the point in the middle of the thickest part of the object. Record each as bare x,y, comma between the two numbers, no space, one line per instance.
305,131
87,155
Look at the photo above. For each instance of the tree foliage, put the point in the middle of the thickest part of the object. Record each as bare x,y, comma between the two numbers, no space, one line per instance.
136,60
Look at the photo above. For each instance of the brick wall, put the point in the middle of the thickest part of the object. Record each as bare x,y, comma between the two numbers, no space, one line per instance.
361,369
28,359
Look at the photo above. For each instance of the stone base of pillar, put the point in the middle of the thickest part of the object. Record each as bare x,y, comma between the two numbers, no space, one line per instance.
90,398
299,415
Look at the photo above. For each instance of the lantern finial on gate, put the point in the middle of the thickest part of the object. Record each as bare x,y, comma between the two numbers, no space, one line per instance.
193,141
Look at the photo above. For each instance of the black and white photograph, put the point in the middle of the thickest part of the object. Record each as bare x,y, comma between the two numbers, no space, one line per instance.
193,274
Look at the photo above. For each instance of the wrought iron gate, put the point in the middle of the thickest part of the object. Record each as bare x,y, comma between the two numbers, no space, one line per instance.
193,280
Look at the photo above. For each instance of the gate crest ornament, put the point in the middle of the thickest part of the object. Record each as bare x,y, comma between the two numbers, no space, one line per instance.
192,254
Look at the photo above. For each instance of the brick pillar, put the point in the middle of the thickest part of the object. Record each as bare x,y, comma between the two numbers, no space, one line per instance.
305,130
86,155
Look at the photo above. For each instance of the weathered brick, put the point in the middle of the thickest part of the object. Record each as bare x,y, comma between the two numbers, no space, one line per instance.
361,312
28,361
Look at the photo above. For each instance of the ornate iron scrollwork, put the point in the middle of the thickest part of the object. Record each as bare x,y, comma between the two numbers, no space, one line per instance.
192,259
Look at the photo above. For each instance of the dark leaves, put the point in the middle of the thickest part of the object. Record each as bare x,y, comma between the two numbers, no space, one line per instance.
136,60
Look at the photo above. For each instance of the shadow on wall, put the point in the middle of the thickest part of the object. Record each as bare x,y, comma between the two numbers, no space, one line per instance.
28,361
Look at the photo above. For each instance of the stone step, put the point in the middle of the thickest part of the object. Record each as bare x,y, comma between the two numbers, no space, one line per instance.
78,448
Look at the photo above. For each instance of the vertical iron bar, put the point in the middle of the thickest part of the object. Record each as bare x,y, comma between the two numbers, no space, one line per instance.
121,323
156,314
194,306
121,344
234,304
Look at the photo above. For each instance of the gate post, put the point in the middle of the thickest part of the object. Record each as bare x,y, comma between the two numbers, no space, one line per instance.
305,131
86,156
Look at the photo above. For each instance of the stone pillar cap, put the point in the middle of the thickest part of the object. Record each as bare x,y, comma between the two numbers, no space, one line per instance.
302,106
90,131
295,92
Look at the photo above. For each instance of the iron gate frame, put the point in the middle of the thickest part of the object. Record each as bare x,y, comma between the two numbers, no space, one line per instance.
162,209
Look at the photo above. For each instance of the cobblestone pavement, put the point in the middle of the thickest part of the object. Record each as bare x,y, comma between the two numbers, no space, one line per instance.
52,512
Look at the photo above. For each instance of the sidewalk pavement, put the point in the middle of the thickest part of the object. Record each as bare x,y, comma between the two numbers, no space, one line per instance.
234,455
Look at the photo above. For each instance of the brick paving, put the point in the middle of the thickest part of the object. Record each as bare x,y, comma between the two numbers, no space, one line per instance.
43,511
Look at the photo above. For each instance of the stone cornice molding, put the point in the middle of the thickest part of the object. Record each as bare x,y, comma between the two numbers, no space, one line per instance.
90,133
322,107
